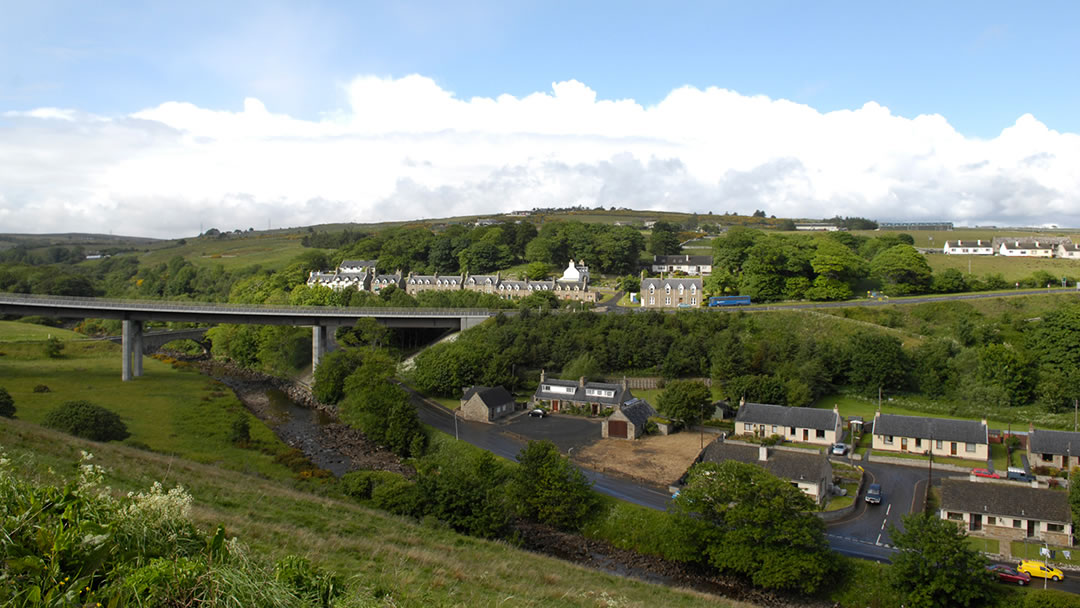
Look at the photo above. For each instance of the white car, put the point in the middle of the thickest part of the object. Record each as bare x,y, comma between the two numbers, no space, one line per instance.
839,449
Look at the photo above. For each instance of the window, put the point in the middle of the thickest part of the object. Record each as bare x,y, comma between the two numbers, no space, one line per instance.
667,300
940,444
652,288
1048,457
887,439
667,288
792,431
652,300
693,301
774,429
1055,527
918,442
955,516
991,520
747,426
820,434
693,288
681,290
970,447
1017,523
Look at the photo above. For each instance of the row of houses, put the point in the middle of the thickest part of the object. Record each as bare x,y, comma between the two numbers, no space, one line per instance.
988,508
361,275
1043,247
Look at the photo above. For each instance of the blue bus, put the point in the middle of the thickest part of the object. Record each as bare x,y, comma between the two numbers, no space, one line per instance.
729,301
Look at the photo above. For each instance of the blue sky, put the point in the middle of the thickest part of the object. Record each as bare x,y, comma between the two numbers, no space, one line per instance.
982,66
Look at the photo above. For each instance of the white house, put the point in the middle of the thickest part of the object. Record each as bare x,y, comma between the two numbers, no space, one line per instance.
976,247
1068,250
1026,248
686,264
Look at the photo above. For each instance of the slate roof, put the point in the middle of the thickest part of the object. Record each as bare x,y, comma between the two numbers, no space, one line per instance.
1053,442
422,279
561,285
967,431
997,499
782,415
482,279
975,243
622,395
357,263
1069,246
491,396
1028,244
699,260
796,466
659,283
637,411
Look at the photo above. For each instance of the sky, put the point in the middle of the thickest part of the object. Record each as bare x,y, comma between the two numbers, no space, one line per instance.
163,118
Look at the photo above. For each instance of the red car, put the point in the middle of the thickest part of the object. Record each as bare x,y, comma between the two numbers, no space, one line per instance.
1006,574
985,473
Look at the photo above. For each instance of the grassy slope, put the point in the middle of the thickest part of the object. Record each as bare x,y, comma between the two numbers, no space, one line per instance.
272,250
14,331
185,417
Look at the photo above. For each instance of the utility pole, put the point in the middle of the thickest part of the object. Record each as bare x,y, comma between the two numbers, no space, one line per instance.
456,438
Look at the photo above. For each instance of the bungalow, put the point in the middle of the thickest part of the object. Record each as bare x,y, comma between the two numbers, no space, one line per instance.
628,420
942,437
340,280
1007,513
976,247
486,403
670,293
597,397
803,424
816,227
811,473
1027,248
1053,448
1068,250
686,264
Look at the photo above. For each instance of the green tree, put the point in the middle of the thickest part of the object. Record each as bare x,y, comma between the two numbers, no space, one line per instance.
1054,340
756,388
87,420
466,492
730,250
541,299
1010,369
877,361
935,566
537,271
53,347
753,524
684,400
902,270
548,489
629,283
7,404
331,373
240,433
583,365
664,239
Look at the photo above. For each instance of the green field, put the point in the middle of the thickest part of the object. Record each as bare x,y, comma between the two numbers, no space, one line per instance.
271,250
935,239
1013,269
173,411
14,331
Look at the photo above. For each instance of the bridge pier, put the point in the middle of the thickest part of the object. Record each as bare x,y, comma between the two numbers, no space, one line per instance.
319,341
131,350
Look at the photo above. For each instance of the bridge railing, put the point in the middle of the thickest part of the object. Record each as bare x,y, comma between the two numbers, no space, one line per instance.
212,307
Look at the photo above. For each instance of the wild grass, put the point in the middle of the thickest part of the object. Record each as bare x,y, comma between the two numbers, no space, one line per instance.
397,561
273,250
15,331
1013,269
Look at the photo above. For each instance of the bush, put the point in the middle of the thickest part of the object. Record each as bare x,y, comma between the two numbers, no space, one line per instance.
41,388
1050,598
398,495
361,484
241,431
53,346
7,404
87,420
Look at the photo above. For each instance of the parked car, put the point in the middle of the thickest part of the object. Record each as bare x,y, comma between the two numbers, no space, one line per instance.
873,494
538,413
1019,474
1040,569
839,449
1006,574
985,473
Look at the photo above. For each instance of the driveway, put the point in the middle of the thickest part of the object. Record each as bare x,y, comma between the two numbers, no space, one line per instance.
564,431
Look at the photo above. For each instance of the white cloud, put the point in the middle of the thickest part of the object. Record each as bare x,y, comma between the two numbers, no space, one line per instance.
406,148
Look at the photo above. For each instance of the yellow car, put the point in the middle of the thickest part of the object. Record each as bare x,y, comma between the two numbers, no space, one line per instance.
1040,569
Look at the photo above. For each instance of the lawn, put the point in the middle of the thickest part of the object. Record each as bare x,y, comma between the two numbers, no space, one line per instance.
172,411
959,462
999,454
1030,550
14,331
984,545
840,502
1013,269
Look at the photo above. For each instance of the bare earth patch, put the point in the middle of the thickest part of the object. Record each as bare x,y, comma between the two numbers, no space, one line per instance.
656,459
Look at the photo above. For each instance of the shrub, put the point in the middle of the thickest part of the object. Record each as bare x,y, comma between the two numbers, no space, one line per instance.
53,347
241,431
1050,598
41,388
7,404
87,420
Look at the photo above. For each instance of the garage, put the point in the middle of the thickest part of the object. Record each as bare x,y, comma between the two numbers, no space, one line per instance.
616,429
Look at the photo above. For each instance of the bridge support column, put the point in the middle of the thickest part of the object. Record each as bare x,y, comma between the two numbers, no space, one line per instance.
319,340
131,349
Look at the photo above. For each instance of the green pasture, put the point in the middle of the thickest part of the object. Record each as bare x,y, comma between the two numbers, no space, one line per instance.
15,331
1013,269
935,239
272,250
169,410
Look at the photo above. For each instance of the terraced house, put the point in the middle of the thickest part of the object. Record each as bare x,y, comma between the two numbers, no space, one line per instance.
917,434
1058,449
1007,512
594,397
799,424
670,293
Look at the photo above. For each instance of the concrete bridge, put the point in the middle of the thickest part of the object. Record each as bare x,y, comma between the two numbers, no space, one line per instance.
322,319
152,341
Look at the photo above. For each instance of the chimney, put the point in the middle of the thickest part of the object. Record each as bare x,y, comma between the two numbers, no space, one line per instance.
581,382
763,453
541,375
979,242
983,421
688,257
1031,427
624,383
742,401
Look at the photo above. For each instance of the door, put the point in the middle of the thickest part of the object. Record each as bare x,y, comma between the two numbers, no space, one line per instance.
616,428
554,405
903,443
805,434
1032,525
952,449
976,521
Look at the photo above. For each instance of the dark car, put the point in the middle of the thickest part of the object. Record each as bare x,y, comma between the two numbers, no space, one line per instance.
873,494
1006,574
1018,474
538,413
